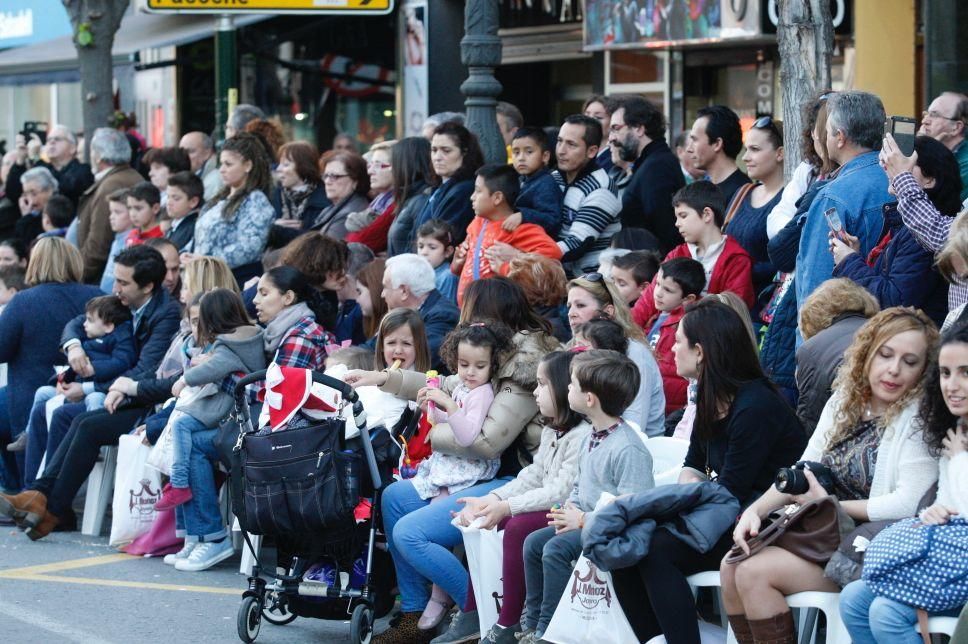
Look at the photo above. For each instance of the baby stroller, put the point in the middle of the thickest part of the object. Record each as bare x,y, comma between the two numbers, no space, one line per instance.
301,485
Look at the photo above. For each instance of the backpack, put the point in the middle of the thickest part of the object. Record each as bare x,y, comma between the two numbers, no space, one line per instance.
925,566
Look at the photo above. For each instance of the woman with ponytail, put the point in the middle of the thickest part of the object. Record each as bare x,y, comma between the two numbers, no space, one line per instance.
295,316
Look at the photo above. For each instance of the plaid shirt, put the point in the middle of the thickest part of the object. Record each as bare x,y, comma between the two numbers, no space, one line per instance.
303,347
929,226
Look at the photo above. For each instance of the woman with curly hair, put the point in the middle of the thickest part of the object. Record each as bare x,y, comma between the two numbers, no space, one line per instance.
870,439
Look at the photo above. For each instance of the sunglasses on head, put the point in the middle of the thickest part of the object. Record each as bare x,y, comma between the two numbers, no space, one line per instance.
593,277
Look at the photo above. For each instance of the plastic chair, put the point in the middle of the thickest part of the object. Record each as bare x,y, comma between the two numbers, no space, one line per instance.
941,625
709,579
100,487
667,457
248,556
829,605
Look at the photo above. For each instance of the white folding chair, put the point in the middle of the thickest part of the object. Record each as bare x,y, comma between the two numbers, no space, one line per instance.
100,487
668,455
941,625
709,579
248,556
826,603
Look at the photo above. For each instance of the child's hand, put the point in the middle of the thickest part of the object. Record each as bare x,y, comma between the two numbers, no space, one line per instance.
140,430
362,378
511,223
439,398
460,256
73,392
201,358
177,388
565,519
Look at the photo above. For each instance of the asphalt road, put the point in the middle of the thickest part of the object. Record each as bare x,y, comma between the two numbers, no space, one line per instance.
73,588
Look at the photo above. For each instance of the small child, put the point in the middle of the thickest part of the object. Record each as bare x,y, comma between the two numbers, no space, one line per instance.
699,219
632,272
602,333
680,282
613,460
495,189
58,214
540,198
108,343
121,226
435,243
185,192
144,204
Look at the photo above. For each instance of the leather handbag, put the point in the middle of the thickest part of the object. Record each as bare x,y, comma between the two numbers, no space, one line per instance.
811,531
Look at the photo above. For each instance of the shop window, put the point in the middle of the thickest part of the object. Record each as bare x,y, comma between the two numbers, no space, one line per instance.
629,66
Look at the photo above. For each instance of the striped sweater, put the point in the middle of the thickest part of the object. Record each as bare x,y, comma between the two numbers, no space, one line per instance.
590,218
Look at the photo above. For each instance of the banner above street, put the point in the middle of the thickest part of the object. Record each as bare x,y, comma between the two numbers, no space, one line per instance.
376,7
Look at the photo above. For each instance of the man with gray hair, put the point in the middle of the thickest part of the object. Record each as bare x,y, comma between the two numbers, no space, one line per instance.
201,152
945,121
855,127
409,282
39,185
110,157
241,115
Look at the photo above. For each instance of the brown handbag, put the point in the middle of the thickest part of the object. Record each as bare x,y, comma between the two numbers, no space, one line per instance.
811,531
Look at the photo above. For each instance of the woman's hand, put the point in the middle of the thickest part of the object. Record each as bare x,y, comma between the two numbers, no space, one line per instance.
814,492
361,378
893,160
955,442
141,430
177,388
937,514
747,527
125,385
841,248
185,258
565,519
113,400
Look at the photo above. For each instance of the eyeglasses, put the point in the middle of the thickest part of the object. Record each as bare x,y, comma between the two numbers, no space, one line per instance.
332,176
935,115
375,165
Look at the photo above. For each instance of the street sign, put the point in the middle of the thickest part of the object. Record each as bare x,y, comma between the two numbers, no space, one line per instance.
374,7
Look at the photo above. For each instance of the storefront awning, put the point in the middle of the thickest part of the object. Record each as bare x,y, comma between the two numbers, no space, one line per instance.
56,60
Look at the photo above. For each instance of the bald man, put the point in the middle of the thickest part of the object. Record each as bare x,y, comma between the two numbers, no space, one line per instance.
201,152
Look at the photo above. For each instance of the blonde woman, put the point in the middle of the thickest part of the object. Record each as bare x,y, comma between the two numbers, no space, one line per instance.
591,296
870,438
203,274
953,264
372,225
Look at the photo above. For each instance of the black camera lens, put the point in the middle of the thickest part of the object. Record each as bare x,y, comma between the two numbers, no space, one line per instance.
791,480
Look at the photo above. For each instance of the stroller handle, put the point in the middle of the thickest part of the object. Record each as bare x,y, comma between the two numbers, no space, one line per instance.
348,393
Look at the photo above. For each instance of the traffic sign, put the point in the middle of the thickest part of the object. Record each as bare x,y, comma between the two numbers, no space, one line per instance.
376,7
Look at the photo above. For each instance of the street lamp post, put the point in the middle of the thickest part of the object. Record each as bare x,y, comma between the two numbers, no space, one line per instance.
480,51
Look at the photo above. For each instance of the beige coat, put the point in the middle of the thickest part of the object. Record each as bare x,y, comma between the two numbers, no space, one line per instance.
94,234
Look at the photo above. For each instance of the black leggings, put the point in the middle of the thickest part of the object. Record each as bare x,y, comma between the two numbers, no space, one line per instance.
654,593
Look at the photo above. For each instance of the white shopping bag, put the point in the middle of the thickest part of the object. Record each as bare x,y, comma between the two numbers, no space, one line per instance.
589,610
485,559
137,487
162,453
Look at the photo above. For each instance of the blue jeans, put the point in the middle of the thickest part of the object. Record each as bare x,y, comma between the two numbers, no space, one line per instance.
871,619
420,538
183,426
200,519
547,570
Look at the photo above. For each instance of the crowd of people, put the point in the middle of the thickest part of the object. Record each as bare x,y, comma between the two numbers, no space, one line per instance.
604,286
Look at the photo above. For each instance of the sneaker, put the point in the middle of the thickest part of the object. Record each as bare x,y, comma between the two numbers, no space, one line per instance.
19,445
501,635
464,627
181,554
173,497
525,635
205,555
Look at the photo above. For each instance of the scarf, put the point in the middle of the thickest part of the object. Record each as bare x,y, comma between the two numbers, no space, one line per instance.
279,327
294,201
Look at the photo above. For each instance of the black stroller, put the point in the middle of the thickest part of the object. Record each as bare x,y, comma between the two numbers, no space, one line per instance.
301,486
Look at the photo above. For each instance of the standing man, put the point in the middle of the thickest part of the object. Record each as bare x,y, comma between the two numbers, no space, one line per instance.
637,133
714,143
589,216
945,121
201,152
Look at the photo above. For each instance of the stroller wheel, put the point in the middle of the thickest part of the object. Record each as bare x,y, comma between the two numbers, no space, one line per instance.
250,619
275,611
361,624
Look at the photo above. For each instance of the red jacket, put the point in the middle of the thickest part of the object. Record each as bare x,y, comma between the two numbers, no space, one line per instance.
673,384
375,235
733,272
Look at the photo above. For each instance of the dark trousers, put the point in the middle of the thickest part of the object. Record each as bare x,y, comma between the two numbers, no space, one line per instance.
74,459
654,593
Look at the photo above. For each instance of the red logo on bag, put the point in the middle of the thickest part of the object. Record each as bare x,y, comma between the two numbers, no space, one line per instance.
590,589
143,501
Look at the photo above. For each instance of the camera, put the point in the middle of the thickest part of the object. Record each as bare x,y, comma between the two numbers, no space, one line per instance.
792,480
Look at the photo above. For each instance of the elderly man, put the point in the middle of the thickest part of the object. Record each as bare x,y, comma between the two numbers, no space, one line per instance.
39,185
945,121
72,176
201,152
110,155
409,282
855,126
241,115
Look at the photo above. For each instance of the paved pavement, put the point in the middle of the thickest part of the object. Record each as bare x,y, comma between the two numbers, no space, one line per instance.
73,588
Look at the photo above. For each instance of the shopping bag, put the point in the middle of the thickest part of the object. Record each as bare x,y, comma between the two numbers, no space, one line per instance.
589,610
162,453
137,487
485,555
159,540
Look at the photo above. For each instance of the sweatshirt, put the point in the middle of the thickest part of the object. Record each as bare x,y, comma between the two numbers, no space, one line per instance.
620,464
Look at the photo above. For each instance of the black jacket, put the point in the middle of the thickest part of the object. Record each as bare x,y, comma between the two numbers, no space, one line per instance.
185,233
647,200
72,180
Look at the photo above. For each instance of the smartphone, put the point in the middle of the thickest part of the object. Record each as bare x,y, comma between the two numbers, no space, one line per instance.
835,225
903,129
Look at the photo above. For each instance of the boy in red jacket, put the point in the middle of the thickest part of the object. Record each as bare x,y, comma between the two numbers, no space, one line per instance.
495,190
699,218
680,281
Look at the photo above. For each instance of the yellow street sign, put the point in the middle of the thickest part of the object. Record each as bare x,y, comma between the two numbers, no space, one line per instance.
271,6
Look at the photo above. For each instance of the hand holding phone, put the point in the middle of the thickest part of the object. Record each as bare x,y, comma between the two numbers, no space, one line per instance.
903,129
835,225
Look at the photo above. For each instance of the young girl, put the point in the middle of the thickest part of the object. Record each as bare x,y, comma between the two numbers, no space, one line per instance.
233,345
521,506
602,333
435,243
944,408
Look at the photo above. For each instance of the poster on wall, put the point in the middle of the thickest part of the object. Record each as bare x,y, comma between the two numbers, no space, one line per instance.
625,24
415,84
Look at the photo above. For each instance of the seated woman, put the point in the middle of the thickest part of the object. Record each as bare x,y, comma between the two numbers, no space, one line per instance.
742,433
880,463
591,296
292,312
944,408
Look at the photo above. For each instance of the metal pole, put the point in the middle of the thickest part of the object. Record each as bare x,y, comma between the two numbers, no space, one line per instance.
480,50
226,73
